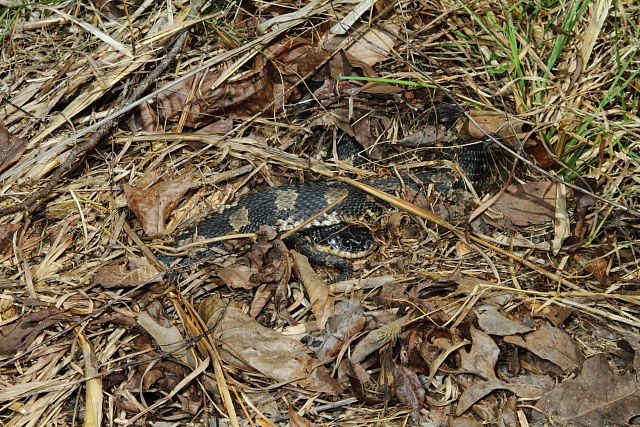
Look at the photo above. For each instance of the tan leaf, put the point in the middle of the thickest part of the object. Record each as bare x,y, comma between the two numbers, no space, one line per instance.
238,276
481,361
509,129
373,47
11,147
155,321
20,335
551,344
296,420
248,345
494,323
152,201
409,390
122,276
596,397
6,235
527,204
347,321
317,289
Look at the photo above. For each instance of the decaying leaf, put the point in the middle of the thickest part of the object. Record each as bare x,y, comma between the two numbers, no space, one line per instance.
409,390
11,147
527,204
347,321
597,397
377,338
6,235
154,197
481,361
598,266
551,344
265,88
373,47
555,314
509,129
155,321
247,344
322,304
136,272
20,335
494,323
238,276
296,420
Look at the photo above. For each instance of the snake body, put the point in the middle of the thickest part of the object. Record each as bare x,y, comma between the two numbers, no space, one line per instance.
286,207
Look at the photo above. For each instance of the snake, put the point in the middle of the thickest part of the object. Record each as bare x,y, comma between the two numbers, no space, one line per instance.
327,238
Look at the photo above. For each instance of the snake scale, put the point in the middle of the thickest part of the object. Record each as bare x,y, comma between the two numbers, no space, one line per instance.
286,207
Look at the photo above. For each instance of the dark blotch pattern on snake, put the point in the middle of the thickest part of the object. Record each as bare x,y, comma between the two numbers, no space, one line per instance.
285,207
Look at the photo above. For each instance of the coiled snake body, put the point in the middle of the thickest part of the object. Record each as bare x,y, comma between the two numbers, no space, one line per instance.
286,207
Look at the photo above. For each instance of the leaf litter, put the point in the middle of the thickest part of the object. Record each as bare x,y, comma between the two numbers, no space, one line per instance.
434,328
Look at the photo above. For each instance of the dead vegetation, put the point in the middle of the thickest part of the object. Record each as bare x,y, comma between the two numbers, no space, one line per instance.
514,306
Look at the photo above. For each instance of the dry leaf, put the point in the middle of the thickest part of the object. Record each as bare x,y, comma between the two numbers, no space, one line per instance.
494,323
597,397
6,235
347,321
409,390
481,361
317,289
296,420
511,130
11,147
238,276
373,47
555,314
154,320
152,201
275,71
250,346
527,204
20,335
551,344
137,271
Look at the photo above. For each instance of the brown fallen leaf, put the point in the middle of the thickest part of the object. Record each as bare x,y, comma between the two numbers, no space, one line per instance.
551,344
555,314
526,204
153,198
322,304
509,129
494,323
597,397
276,70
481,360
11,147
137,271
155,321
598,266
373,47
151,371
296,420
409,390
20,335
6,235
110,9
250,346
347,321
377,338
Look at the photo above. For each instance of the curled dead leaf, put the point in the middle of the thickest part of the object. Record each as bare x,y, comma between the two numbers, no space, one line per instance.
155,196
